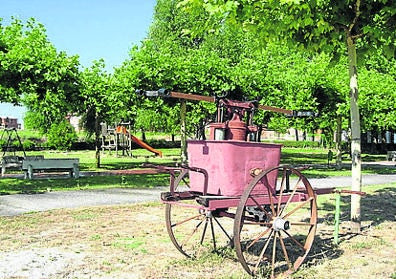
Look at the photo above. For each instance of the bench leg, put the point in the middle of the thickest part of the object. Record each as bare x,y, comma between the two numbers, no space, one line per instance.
76,171
30,172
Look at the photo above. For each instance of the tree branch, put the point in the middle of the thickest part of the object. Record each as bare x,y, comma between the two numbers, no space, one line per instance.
357,14
340,26
358,36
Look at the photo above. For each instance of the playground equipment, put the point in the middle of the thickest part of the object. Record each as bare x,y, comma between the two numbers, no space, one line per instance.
121,139
10,158
31,164
9,136
233,193
124,131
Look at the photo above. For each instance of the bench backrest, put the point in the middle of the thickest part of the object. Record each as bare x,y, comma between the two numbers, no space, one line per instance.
10,160
53,163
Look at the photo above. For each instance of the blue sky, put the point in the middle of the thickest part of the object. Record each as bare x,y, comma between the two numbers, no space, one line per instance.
91,29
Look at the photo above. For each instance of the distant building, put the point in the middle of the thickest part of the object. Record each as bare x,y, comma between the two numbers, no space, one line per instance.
9,122
74,121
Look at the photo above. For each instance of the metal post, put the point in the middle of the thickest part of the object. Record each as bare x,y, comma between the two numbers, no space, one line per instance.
337,218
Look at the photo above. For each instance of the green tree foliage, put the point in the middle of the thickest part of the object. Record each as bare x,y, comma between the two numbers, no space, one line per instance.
232,61
377,95
319,26
61,136
34,73
95,95
169,58
97,102
214,63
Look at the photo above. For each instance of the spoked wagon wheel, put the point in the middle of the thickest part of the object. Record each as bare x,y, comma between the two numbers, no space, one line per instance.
195,231
275,222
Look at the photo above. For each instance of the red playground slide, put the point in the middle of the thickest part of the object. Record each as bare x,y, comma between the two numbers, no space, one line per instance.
121,129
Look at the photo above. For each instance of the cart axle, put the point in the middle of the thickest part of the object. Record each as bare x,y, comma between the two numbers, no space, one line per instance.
280,225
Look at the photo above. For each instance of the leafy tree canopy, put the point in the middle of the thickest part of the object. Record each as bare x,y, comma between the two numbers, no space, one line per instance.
34,73
319,25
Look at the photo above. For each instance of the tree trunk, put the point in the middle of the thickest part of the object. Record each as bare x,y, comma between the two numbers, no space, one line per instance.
355,141
202,130
97,141
183,140
143,135
338,143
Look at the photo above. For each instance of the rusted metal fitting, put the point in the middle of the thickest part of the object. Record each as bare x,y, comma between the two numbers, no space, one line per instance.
256,171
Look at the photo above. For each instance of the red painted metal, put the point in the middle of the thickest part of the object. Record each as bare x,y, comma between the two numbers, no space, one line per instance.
236,128
215,202
228,164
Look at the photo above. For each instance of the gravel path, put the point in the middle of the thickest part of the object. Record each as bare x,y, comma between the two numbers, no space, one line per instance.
11,205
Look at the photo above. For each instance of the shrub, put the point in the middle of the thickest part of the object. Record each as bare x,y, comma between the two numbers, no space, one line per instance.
61,136
28,145
3,144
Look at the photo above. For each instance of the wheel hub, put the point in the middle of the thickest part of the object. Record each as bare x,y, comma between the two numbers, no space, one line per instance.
280,224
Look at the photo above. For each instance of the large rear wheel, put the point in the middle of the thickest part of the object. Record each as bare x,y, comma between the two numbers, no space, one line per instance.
275,222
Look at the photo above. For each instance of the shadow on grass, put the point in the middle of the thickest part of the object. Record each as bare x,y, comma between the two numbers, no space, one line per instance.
325,171
376,208
305,158
129,165
323,248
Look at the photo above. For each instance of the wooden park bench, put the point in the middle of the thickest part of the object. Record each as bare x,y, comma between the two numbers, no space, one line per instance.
391,156
31,165
10,162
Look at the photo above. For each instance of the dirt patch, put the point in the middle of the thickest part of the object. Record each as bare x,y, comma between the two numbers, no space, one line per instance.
132,242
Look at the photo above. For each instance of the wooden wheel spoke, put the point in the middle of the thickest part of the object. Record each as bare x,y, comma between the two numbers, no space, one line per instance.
213,234
291,195
273,256
187,239
263,250
223,230
258,237
295,241
261,208
270,195
204,230
300,205
308,224
281,191
267,224
186,220
284,250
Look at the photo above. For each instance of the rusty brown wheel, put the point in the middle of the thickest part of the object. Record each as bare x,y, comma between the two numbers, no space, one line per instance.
275,222
195,231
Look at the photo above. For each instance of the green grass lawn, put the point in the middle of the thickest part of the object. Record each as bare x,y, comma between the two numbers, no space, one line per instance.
316,158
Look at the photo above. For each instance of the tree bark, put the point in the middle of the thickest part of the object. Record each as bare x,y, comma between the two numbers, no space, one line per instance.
356,140
338,143
97,141
183,140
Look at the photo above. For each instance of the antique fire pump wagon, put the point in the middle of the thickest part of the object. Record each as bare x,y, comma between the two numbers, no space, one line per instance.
234,194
